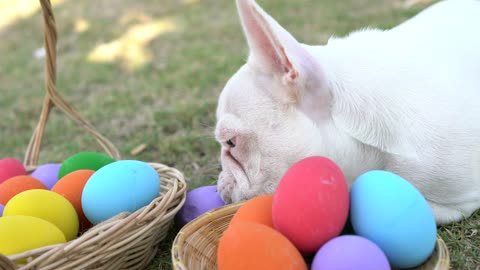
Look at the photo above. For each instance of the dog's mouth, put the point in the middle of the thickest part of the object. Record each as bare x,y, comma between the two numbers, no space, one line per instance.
236,169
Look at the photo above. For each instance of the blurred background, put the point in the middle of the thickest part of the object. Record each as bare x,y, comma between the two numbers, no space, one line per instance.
147,75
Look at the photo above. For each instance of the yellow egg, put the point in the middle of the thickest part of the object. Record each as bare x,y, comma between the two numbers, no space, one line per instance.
47,205
22,233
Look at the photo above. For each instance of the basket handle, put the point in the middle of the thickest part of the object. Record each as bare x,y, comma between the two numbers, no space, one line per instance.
53,97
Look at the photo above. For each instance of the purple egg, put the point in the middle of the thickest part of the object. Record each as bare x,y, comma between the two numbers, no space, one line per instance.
199,201
348,252
1,209
47,174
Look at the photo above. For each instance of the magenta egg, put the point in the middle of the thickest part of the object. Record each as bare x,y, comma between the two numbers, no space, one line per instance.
311,203
10,167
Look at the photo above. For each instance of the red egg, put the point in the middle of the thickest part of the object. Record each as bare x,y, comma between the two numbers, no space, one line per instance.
10,167
311,203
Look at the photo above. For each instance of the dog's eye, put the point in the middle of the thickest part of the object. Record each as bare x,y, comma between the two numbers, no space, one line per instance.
230,143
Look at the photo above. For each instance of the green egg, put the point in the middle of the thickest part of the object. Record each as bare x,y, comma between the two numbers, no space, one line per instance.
84,161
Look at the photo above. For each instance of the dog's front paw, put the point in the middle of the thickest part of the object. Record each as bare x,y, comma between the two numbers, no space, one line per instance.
225,186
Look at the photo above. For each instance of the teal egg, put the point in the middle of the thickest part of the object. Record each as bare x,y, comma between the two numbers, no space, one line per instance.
121,186
392,213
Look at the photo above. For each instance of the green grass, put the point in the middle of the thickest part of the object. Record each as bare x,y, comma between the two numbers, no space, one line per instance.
168,100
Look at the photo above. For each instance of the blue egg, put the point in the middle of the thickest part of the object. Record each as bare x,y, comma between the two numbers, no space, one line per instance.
121,186
392,213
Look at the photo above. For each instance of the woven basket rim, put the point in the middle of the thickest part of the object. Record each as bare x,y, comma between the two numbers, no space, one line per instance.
440,260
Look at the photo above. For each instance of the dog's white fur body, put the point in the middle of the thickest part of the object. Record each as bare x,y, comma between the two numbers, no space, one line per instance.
406,100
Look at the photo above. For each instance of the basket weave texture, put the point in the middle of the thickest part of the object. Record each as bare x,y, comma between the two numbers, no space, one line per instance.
195,246
126,241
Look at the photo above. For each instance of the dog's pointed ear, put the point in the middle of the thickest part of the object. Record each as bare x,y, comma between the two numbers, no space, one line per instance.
271,46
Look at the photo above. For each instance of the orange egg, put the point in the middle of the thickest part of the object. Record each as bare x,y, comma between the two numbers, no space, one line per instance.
257,209
248,245
17,184
71,187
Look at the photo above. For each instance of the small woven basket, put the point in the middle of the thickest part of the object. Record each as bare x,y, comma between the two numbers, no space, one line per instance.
195,246
126,241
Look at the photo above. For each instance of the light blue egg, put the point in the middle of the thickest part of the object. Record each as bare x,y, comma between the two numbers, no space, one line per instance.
121,186
393,214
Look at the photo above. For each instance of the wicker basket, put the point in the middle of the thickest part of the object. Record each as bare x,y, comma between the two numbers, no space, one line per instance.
126,241
195,246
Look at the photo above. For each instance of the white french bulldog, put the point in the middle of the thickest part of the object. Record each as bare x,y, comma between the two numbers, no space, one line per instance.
405,100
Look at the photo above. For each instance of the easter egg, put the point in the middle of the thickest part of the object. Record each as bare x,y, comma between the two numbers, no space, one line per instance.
247,245
392,213
47,205
198,201
71,187
257,209
47,174
121,186
84,161
349,252
18,184
10,167
311,202
23,233
1,209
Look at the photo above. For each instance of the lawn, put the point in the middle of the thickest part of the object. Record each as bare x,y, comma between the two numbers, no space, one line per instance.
149,72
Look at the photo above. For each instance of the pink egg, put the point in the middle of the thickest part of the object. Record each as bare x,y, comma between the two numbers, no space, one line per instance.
10,167
311,203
